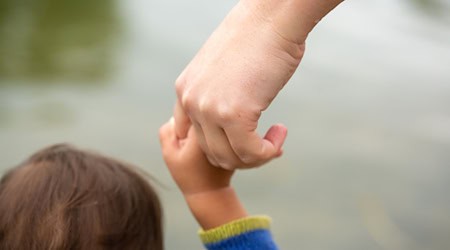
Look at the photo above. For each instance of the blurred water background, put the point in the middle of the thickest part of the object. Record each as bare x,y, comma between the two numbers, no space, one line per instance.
367,161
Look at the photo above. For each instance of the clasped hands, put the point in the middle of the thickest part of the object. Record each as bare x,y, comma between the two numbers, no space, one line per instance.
224,89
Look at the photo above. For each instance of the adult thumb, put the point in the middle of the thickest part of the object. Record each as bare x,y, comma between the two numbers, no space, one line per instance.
277,135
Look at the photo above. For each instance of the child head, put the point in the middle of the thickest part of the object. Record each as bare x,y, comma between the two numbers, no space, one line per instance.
65,198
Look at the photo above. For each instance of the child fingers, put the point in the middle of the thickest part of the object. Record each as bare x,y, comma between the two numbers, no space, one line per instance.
182,121
167,136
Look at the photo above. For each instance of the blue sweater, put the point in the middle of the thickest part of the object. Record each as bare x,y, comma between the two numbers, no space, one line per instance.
251,233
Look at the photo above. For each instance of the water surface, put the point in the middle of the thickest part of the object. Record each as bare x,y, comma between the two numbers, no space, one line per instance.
366,164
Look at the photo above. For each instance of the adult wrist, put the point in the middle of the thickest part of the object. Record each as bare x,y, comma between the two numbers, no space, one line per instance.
291,19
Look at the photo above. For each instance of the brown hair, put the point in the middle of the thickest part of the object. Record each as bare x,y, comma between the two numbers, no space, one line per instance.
65,198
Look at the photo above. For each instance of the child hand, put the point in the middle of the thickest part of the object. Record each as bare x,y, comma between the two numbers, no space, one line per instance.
188,164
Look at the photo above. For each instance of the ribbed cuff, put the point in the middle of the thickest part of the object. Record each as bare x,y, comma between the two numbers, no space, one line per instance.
235,228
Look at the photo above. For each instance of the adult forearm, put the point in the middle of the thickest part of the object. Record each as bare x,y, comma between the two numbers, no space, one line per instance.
292,19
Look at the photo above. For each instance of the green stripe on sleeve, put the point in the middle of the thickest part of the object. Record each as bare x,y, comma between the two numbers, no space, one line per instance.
235,228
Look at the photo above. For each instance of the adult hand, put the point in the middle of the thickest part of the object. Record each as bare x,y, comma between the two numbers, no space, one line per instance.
232,79
236,75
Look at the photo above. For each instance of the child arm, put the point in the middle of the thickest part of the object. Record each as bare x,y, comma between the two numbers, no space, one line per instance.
211,198
206,188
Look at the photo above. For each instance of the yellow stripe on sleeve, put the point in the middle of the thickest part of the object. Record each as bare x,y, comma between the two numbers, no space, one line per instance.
234,228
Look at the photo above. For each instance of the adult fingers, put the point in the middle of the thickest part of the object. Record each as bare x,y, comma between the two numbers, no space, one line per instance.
251,148
191,145
182,121
203,143
220,148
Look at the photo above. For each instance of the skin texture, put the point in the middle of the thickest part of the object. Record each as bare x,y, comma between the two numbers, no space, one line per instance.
206,189
236,75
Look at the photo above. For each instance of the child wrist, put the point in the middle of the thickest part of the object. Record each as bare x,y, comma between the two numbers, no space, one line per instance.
215,208
205,194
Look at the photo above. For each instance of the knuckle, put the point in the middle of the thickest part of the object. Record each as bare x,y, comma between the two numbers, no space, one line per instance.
222,159
227,166
227,113
222,113
249,157
205,105
208,107
211,160
180,84
187,101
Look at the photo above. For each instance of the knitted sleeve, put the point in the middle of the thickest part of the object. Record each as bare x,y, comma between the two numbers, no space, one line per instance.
250,233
